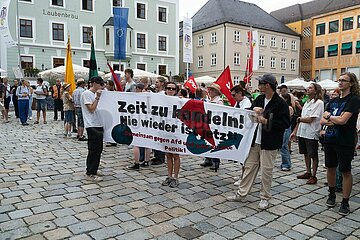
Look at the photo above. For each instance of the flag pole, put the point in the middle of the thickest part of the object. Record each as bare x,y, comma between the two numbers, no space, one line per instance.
18,22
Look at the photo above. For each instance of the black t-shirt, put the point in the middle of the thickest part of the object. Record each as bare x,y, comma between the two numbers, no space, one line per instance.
343,135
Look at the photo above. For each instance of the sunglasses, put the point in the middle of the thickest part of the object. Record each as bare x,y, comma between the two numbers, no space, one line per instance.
102,84
343,80
170,88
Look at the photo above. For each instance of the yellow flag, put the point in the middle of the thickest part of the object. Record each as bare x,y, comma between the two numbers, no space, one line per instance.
69,71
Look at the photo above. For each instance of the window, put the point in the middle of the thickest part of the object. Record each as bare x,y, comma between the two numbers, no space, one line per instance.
319,52
162,14
57,3
87,31
236,80
57,62
26,28
320,29
58,31
236,36
213,37
27,62
200,61
283,43
86,63
213,59
334,26
117,3
348,23
87,5
357,47
25,0
346,48
293,45
201,41
107,36
273,42
140,10
261,61
358,25
332,50
283,63
141,66
293,64
262,40
162,69
141,41
162,43
236,58
272,62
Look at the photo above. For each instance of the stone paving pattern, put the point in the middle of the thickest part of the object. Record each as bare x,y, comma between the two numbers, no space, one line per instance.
44,195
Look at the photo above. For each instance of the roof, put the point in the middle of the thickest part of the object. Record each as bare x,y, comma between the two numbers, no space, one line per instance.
110,22
216,12
310,9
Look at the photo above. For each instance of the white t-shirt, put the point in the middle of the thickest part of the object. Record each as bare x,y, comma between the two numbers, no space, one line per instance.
91,119
40,89
259,131
245,103
311,109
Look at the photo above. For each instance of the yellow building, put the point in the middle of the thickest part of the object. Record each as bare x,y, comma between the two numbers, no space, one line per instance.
330,33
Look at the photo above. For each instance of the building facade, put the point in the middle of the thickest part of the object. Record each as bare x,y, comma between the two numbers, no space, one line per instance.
46,24
225,43
330,30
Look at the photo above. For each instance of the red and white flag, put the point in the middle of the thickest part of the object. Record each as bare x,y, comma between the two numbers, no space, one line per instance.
226,84
191,84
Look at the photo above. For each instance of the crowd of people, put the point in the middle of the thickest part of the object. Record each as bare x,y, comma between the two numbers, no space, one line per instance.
283,117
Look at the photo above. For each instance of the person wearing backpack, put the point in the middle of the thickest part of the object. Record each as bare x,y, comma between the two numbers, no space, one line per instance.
340,117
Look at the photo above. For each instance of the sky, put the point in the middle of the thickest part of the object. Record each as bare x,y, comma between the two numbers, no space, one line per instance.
190,7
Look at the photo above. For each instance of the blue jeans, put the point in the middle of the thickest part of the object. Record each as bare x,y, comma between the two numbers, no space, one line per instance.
30,106
23,110
285,153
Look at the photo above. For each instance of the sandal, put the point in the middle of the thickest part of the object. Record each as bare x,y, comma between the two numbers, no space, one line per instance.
312,180
36,122
45,122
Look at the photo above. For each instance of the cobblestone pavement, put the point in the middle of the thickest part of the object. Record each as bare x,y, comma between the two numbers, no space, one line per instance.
44,195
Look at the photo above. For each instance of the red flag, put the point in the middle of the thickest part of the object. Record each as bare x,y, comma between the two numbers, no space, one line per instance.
249,62
225,83
191,84
116,80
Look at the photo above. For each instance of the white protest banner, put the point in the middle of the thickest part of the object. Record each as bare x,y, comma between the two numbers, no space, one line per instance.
171,124
187,40
4,27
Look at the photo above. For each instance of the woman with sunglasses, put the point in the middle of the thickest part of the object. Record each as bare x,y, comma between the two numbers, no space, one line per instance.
173,160
340,116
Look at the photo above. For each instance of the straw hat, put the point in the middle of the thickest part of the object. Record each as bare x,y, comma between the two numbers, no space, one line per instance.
216,87
66,85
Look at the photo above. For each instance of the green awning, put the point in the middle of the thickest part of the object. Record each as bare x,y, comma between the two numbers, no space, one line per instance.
348,19
333,48
346,46
358,44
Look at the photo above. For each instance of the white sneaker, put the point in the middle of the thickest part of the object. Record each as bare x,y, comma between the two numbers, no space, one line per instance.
235,198
237,183
69,134
94,178
99,173
236,178
263,204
